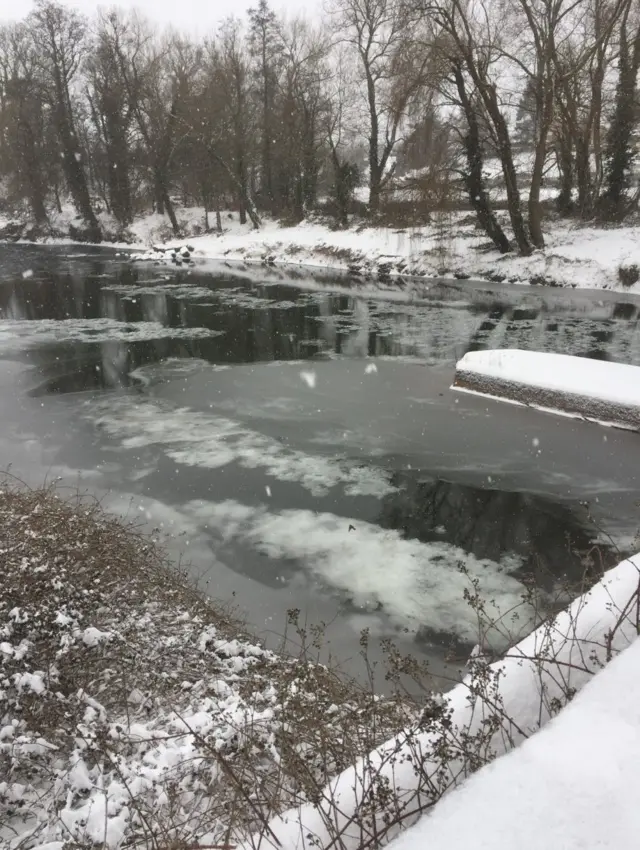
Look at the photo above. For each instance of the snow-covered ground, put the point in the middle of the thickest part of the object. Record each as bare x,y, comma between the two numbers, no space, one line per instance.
132,713
608,392
575,256
571,786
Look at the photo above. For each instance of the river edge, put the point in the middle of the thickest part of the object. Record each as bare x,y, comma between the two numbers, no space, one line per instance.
129,697
576,257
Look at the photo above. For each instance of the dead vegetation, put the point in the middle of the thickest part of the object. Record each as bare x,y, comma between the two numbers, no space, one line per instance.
113,672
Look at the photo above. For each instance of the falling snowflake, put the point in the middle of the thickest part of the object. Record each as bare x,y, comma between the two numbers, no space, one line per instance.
309,378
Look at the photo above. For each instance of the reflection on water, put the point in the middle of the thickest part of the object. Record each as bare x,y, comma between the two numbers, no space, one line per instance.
372,488
253,321
489,523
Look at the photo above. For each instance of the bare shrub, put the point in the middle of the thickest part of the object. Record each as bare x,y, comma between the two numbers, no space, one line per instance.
628,274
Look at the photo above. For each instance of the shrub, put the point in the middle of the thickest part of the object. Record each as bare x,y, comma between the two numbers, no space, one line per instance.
628,274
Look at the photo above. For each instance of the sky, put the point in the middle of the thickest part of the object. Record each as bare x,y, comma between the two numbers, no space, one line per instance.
196,17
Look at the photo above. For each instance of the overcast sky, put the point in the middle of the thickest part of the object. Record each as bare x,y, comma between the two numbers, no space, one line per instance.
194,16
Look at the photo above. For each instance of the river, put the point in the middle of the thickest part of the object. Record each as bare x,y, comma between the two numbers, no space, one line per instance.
295,441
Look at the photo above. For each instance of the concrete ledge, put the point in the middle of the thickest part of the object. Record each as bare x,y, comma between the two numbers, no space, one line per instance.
593,389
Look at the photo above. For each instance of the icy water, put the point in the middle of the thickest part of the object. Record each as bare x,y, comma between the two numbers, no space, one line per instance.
297,439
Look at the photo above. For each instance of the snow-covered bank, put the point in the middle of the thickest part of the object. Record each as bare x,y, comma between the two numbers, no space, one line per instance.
595,389
495,709
572,786
576,256
131,712
579,257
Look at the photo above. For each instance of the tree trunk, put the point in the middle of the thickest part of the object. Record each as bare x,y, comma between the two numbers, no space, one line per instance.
544,97
165,201
473,178
29,158
242,185
564,156
613,204
489,97
505,152
583,177
375,172
242,190
72,159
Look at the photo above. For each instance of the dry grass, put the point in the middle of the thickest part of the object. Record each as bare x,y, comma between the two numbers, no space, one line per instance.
269,731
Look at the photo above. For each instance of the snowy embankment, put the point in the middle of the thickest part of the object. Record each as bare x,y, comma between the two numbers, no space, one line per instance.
133,713
579,257
596,389
573,786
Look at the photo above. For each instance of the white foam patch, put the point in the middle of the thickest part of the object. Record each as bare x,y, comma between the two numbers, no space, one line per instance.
417,584
209,441
26,333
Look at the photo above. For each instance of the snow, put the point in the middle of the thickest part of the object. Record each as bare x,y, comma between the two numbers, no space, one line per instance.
93,637
527,687
574,256
571,786
309,378
597,389
615,383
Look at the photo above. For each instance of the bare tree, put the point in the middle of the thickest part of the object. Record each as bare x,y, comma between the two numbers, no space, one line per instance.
341,130
22,119
224,116
472,38
394,65
59,39
473,173
264,40
112,108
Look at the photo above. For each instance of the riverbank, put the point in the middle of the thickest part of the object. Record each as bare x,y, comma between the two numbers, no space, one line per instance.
576,256
134,710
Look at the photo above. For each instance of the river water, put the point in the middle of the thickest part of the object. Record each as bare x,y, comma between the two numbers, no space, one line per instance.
294,438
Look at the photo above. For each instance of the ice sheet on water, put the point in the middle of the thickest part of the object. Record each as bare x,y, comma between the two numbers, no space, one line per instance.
27,333
425,586
209,441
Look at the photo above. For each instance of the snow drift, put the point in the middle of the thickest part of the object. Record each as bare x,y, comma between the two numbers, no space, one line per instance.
572,786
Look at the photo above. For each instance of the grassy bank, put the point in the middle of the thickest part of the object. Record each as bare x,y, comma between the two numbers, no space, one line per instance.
135,712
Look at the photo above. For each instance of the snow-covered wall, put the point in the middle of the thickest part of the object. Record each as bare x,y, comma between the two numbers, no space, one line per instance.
596,389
